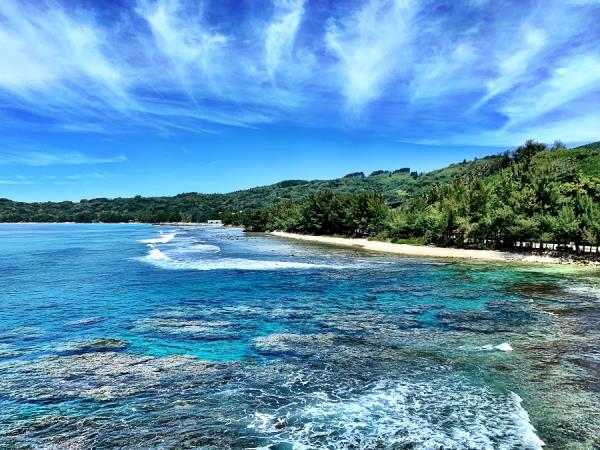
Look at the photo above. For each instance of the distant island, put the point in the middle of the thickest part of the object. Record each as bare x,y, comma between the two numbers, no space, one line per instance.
536,196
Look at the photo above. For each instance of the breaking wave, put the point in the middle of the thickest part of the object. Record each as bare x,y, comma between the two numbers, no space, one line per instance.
161,260
190,253
426,415
503,347
162,239
200,248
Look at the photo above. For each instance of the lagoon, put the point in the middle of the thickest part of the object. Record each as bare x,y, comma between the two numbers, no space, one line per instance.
205,337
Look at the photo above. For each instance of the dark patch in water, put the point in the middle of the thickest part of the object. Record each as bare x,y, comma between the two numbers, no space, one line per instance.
91,345
545,290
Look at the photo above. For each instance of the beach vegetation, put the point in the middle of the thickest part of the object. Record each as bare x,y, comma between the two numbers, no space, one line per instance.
533,194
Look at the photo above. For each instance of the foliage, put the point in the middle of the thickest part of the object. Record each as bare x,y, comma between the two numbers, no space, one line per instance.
396,189
322,212
534,193
539,194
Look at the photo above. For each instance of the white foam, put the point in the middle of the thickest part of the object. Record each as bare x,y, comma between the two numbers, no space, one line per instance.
200,248
504,347
159,259
163,239
425,415
156,255
528,431
588,291
187,253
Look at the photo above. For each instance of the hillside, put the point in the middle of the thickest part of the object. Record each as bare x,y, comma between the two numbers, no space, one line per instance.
395,186
535,193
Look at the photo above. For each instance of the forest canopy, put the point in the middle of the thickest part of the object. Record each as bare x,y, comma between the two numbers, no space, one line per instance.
534,193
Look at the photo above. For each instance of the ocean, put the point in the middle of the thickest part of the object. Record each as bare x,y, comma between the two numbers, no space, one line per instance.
140,336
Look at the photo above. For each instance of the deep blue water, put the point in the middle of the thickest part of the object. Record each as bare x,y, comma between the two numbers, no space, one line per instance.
137,336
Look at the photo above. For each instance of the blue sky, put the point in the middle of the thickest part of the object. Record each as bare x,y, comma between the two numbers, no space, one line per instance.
104,98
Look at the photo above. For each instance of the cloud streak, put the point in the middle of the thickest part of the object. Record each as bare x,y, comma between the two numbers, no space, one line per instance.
281,33
39,159
372,47
416,70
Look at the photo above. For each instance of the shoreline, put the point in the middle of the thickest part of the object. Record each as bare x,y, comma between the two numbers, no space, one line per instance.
431,251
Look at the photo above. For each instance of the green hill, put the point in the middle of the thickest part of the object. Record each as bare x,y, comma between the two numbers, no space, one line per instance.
395,186
533,194
542,194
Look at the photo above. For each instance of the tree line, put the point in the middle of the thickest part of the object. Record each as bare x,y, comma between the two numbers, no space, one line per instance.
323,212
535,193
396,187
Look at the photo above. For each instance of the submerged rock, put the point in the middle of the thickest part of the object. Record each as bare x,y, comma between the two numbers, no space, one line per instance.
100,375
296,343
92,345
8,351
188,328
82,323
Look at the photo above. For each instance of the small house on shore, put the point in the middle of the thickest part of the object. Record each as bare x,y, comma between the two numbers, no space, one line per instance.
215,222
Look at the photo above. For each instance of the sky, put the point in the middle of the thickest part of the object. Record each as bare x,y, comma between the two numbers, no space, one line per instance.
108,98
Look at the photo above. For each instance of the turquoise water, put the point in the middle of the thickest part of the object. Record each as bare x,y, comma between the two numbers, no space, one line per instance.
164,337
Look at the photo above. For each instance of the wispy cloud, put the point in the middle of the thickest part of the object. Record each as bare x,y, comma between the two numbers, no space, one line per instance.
17,180
281,33
182,39
421,69
33,158
568,80
372,47
512,64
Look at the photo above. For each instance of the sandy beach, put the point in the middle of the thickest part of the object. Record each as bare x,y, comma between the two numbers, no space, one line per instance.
426,250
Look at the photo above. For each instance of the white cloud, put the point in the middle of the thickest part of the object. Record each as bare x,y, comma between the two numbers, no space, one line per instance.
34,158
18,180
444,72
39,49
514,64
281,33
568,80
184,40
175,66
582,128
90,175
371,46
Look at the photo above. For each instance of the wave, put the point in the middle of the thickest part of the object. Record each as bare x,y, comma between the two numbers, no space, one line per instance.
191,253
586,291
528,431
156,255
159,259
199,248
404,415
503,347
163,239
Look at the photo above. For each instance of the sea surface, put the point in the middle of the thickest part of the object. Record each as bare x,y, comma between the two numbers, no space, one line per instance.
137,336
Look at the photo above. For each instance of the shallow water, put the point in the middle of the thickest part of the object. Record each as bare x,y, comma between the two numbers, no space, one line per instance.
158,337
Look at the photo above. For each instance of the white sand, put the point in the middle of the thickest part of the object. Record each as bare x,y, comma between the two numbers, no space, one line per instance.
422,250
